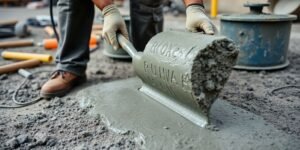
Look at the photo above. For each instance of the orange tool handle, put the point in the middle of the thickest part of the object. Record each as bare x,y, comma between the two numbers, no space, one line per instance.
50,43
53,44
25,56
93,40
18,65
19,43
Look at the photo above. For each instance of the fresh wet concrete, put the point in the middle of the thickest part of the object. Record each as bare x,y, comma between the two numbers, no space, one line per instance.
125,108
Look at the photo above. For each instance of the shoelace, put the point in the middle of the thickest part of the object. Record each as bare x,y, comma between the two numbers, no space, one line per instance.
57,73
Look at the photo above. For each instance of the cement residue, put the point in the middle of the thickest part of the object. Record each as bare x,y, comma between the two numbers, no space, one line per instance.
211,69
61,125
252,91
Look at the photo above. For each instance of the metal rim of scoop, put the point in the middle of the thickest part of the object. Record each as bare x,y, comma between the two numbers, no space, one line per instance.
116,55
276,67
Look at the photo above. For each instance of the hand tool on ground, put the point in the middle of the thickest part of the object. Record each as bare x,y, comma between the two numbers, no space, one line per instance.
25,73
41,21
21,29
7,28
52,43
8,22
18,65
16,43
184,71
25,56
14,28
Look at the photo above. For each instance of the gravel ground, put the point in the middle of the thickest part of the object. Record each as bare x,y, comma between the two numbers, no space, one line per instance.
252,91
274,95
61,123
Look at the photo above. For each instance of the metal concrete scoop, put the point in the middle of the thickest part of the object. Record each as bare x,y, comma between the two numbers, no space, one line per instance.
184,71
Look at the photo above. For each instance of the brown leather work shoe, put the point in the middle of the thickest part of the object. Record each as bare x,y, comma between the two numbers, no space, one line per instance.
60,83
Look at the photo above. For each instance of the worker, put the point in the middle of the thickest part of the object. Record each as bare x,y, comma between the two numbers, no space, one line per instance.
75,24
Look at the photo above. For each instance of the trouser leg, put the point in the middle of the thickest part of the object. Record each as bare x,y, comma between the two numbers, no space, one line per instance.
146,21
75,23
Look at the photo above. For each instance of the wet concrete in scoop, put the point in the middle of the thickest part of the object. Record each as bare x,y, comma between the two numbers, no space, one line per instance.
125,108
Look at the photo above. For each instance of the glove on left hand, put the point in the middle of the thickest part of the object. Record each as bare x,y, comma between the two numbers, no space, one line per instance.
197,20
113,23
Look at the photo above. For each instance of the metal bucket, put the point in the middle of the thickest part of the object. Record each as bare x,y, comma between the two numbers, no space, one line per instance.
119,53
263,38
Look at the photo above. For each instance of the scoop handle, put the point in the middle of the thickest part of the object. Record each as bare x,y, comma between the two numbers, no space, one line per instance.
127,46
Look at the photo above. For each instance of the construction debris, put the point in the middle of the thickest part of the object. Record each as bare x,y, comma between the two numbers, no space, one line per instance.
17,43
18,65
26,56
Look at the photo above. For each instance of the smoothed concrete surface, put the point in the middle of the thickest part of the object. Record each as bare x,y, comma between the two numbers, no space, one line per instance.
125,108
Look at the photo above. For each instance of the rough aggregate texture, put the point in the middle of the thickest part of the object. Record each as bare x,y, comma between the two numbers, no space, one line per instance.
211,70
61,124
252,91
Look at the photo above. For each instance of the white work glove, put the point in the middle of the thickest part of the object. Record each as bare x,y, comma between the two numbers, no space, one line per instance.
113,24
197,20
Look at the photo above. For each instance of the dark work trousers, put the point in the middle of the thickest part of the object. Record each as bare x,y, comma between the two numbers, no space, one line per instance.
75,23
146,21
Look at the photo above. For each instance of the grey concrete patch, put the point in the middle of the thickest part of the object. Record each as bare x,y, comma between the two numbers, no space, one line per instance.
125,108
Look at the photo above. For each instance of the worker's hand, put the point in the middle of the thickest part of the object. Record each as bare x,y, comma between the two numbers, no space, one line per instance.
197,20
113,24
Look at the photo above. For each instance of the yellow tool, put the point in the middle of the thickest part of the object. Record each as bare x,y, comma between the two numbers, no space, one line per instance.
25,56
214,8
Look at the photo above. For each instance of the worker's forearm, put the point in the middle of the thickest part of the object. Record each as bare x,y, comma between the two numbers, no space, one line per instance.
191,2
102,3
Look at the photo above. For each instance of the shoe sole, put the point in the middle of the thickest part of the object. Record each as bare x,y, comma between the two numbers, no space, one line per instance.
56,94
62,92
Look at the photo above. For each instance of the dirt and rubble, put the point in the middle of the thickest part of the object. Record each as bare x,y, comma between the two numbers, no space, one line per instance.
61,123
273,95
